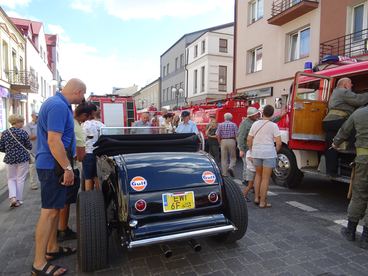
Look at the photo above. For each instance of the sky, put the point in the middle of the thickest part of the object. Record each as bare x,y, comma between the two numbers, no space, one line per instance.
118,43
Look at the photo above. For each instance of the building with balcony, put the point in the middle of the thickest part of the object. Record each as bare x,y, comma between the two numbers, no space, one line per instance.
148,96
273,40
344,29
14,79
41,64
210,65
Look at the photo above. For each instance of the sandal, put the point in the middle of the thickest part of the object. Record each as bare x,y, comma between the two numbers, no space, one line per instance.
44,271
63,252
266,205
14,202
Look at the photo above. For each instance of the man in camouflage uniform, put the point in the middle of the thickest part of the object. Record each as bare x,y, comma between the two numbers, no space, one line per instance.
358,207
342,103
252,116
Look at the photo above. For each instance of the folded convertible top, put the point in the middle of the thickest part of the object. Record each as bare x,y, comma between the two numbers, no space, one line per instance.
112,145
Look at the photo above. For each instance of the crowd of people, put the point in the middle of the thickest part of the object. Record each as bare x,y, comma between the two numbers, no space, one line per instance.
63,141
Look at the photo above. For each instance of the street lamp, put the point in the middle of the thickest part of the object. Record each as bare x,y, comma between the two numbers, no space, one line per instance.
142,102
177,92
60,83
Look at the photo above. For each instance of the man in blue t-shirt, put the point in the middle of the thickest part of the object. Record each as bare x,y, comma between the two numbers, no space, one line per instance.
55,133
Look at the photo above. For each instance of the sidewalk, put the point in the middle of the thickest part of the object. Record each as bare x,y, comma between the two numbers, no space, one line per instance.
3,181
17,227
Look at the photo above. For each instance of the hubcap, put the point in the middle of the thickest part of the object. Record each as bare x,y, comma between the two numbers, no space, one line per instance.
283,167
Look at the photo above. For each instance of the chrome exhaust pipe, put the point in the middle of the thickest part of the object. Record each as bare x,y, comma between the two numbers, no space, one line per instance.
166,250
195,245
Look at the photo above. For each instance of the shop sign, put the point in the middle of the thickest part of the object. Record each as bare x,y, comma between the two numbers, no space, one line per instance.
18,96
259,93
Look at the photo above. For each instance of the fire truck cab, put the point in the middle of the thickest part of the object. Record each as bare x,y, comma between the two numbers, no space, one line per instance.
116,111
302,133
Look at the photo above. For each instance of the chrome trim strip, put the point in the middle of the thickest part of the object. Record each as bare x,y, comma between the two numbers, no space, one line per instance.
180,236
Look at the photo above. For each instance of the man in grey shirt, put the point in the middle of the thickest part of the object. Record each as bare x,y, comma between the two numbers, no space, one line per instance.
342,103
31,129
253,115
143,126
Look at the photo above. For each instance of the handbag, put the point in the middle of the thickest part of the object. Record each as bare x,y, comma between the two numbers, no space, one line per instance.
32,158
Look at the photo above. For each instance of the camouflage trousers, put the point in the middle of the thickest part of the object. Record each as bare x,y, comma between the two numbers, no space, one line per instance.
358,207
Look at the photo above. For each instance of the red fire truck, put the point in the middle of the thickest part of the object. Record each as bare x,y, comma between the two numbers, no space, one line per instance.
302,134
200,114
116,111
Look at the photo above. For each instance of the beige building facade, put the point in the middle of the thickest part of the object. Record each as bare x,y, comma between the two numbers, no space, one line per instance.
275,38
268,53
148,96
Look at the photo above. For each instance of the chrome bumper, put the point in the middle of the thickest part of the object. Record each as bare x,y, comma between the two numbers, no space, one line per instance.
182,236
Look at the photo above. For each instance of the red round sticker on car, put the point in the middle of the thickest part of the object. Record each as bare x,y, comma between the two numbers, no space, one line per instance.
138,183
208,177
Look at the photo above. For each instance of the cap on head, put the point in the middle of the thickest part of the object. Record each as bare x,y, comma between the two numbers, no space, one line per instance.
35,113
252,111
185,114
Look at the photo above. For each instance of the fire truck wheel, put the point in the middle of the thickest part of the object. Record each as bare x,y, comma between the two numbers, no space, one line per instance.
286,172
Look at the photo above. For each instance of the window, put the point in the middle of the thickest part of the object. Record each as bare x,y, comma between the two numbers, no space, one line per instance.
167,68
299,44
358,18
181,60
164,71
195,77
182,86
21,65
202,78
255,57
222,78
196,51
255,10
176,63
203,46
163,95
223,45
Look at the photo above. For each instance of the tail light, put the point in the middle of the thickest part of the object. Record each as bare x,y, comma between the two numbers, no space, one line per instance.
213,197
140,205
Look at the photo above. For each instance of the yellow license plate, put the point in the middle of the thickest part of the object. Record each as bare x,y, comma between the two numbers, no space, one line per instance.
173,202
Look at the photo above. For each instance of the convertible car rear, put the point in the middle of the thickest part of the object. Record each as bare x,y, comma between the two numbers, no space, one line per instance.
156,188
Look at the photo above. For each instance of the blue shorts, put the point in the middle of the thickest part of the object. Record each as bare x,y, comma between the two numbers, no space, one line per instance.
53,194
265,162
89,166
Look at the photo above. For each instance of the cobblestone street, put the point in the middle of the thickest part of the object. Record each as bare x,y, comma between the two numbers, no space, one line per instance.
299,235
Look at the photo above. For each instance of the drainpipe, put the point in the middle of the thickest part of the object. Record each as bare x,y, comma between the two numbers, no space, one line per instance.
26,76
186,76
235,48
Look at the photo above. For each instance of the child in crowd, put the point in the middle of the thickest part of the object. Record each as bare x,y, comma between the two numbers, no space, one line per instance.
250,174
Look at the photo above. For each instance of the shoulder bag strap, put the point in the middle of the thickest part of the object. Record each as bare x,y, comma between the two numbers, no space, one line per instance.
255,134
30,153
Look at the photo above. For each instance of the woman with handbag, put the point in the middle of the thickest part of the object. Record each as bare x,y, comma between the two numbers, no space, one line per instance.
16,145
263,136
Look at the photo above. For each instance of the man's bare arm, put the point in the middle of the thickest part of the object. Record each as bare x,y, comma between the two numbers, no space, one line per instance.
58,152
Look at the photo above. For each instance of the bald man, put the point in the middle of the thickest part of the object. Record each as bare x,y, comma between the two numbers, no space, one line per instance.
54,163
341,105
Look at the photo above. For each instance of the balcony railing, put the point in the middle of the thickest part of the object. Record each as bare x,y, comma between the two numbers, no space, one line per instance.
284,11
22,81
350,45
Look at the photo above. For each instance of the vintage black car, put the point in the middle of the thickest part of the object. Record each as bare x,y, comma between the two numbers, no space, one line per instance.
155,188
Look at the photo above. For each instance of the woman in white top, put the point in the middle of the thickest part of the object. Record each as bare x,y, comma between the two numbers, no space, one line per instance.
261,140
167,124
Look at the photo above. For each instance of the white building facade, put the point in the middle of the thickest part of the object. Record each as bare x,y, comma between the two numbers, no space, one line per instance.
12,73
210,65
